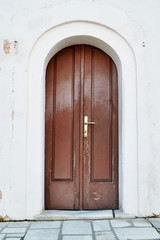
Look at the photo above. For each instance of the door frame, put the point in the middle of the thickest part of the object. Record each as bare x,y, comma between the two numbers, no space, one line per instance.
117,48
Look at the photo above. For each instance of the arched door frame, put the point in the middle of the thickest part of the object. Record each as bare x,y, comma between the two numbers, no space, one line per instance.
120,51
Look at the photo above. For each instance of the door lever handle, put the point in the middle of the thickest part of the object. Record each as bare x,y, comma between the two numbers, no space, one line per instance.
91,123
86,125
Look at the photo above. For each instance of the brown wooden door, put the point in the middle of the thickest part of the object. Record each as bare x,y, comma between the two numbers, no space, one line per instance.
81,172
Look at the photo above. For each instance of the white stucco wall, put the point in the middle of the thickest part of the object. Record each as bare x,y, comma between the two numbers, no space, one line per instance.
132,30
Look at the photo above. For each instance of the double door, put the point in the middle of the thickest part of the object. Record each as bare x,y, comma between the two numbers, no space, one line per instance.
81,130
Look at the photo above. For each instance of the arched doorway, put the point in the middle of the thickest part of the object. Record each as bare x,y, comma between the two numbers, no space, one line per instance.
112,43
81,159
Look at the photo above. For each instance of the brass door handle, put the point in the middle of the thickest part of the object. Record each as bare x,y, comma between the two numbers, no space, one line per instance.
86,125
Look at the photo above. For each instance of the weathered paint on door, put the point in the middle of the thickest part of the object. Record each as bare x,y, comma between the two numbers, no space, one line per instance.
81,173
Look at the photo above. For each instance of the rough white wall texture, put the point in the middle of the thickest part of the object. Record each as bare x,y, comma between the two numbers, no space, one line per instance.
22,23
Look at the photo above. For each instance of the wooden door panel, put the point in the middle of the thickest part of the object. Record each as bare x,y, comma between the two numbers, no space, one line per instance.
101,196
61,195
62,134
63,116
101,145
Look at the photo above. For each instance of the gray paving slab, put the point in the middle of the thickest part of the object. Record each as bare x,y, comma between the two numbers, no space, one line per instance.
120,215
141,222
136,233
76,227
120,223
3,224
14,230
15,235
82,237
19,224
46,224
2,236
155,222
13,238
105,235
101,225
42,234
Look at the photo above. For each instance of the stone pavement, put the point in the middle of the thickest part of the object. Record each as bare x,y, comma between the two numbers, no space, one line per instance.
116,229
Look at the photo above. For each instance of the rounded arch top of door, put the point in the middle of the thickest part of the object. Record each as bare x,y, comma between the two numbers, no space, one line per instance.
81,130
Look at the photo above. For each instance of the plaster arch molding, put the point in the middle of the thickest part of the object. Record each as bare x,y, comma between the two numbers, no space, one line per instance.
117,47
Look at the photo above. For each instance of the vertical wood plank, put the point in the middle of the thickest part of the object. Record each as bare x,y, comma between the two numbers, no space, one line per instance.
48,129
101,114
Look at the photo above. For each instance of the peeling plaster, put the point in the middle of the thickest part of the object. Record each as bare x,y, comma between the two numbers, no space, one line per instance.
6,46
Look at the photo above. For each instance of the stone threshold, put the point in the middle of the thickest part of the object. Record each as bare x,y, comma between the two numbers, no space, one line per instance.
54,215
